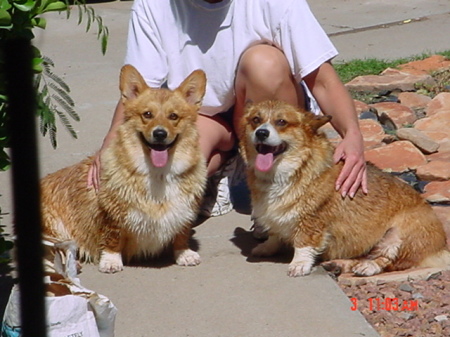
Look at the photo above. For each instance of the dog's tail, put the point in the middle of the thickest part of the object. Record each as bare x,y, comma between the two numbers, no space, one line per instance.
440,259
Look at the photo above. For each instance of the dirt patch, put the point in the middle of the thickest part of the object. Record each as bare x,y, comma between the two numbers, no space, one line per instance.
418,308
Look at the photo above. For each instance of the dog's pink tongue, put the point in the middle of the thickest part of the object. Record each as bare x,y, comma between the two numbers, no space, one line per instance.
264,162
159,158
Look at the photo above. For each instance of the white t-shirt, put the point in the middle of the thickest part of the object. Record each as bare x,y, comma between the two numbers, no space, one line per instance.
168,39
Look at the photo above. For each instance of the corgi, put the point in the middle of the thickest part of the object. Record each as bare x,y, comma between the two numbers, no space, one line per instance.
291,177
152,180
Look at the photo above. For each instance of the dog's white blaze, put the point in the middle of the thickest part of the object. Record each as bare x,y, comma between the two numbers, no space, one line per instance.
281,223
156,229
152,234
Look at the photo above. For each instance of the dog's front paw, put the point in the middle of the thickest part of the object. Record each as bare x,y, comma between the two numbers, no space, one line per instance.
110,263
302,262
187,257
299,269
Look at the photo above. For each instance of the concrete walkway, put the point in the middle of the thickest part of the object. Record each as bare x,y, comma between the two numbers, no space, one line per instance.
229,294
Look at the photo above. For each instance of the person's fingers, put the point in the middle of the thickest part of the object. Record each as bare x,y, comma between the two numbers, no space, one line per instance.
96,173
364,183
358,183
347,178
351,176
93,177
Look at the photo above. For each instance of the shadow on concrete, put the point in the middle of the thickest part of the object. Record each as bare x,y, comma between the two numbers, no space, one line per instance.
245,241
163,260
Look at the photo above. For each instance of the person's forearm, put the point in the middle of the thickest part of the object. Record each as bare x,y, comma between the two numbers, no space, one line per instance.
333,99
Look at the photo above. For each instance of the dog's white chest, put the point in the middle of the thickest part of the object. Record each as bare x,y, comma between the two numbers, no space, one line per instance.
156,219
272,209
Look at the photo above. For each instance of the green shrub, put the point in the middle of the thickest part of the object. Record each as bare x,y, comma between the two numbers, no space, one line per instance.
18,19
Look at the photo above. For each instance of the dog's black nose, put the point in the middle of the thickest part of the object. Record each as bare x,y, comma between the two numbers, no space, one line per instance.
262,134
159,134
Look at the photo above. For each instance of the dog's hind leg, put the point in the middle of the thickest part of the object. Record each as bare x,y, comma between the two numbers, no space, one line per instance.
382,255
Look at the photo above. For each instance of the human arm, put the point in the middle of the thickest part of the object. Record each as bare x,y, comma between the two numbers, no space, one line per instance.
94,171
334,100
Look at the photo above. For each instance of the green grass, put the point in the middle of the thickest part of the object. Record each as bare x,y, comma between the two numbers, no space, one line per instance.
351,69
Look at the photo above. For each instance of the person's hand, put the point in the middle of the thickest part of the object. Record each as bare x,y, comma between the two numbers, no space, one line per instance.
354,173
93,177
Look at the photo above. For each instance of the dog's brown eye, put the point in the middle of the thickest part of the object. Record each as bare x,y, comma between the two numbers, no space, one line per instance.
280,122
256,120
173,116
147,114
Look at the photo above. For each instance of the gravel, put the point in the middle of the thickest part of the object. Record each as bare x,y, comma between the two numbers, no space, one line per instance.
411,308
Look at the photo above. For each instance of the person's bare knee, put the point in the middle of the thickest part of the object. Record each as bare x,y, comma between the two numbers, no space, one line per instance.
261,63
264,73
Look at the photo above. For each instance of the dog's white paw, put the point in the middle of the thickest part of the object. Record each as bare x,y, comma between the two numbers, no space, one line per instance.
299,269
187,257
366,268
110,263
302,262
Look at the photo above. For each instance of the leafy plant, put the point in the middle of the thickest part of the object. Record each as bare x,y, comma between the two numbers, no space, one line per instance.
18,18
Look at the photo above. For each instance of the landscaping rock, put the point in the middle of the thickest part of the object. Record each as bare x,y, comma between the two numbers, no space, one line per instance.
399,156
429,288
426,66
439,103
439,121
360,106
443,139
414,100
438,192
393,80
397,112
373,133
419,139
332,135
437,170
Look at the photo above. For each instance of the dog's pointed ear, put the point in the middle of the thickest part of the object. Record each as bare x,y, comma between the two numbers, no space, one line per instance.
193,87
317,121
132,83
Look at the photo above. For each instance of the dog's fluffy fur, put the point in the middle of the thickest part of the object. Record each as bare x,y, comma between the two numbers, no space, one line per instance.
292,178
152,180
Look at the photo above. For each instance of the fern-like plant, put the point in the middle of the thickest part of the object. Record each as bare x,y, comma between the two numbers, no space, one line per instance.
18,18
53,100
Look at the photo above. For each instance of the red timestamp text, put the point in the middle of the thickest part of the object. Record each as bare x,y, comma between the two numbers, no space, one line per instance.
386,304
